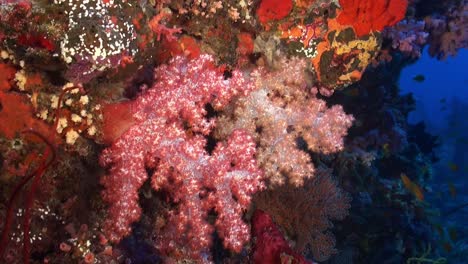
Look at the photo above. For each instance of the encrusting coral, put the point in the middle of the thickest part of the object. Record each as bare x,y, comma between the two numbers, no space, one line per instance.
367,16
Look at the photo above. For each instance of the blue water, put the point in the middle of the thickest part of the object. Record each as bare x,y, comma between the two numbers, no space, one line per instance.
442,104
443,79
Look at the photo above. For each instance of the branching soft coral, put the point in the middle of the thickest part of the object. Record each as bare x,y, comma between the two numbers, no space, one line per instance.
280,112
448,33
168,137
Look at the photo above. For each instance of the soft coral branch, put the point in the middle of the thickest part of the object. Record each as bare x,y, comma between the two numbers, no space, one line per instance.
168,135
282,110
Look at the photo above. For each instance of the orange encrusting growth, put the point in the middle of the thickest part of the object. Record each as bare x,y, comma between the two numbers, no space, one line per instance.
17,115
7,74
325,45
245,47
366,16
185,45
270,10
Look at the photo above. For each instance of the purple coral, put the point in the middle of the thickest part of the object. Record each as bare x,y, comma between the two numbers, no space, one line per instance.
408,36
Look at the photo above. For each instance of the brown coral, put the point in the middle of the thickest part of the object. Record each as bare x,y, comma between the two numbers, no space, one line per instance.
305,213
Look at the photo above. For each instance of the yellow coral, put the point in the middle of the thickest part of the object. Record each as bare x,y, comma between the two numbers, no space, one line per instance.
365,47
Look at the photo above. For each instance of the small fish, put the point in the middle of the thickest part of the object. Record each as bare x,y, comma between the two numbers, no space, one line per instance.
443,108
419,78
412,187
443,100
452,190
452,166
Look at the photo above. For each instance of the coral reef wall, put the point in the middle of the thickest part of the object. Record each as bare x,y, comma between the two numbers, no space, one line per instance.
206,131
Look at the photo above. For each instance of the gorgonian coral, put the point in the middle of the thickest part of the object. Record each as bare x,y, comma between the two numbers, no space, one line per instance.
308,212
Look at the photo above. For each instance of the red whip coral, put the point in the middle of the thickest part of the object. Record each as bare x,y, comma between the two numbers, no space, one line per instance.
35,177
167,137
366,16
273,10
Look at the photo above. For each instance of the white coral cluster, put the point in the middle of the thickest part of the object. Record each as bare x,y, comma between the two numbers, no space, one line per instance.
95,33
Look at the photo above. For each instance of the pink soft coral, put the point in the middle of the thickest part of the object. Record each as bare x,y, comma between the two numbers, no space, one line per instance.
280,111
167,136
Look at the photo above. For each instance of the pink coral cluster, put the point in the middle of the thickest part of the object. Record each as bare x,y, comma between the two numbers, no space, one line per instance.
408,36
168,137
448,33
282,110
445,33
